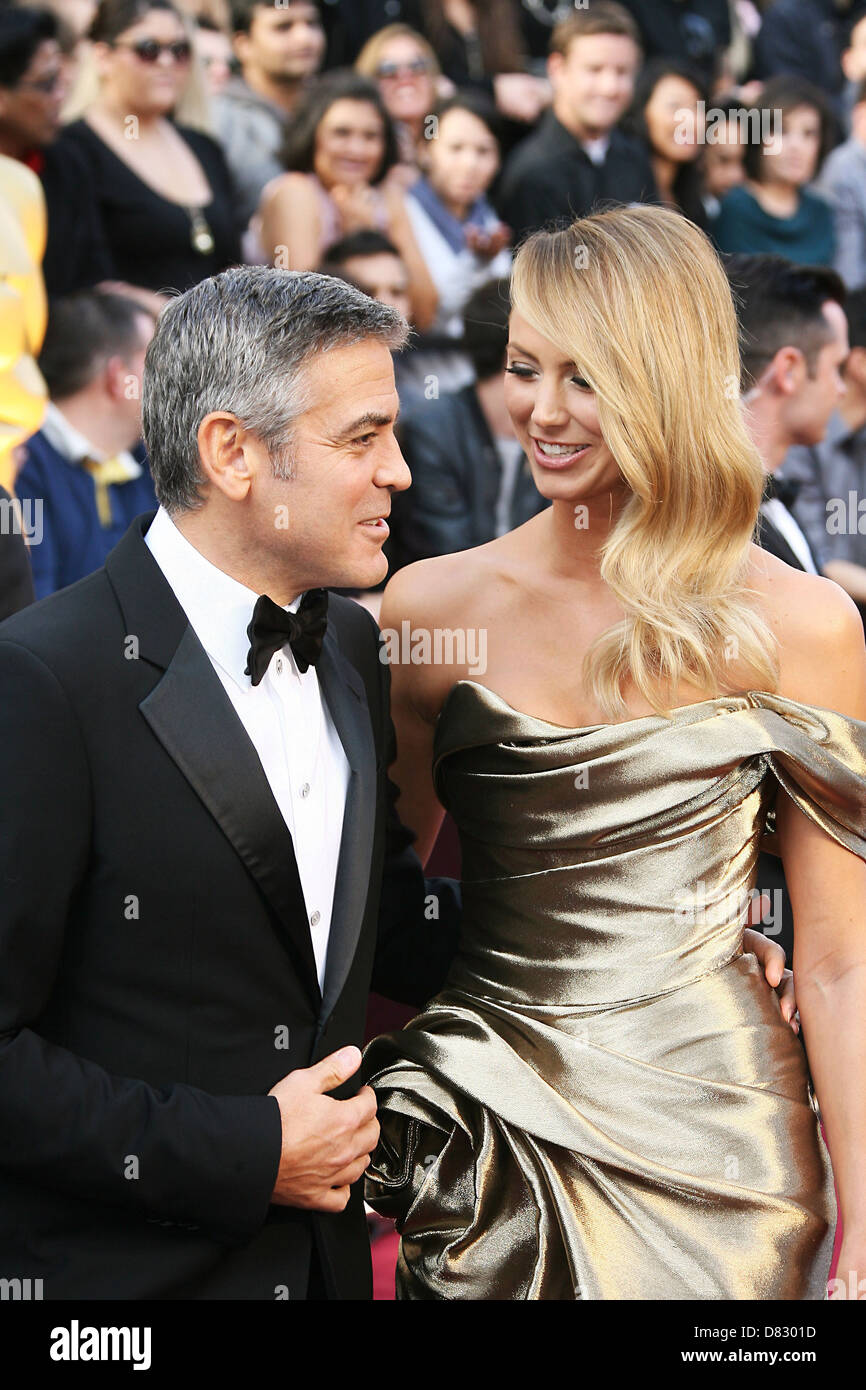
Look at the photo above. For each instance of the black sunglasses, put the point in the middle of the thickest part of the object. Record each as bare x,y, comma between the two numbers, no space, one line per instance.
150,50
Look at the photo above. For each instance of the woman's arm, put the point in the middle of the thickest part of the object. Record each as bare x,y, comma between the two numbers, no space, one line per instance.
417,692
827,884
291,228
422,291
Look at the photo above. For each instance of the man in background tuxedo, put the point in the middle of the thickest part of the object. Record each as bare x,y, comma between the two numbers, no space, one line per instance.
202,867
794,345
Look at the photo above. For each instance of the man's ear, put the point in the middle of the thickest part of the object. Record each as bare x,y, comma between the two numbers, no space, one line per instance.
120,383
555,64
787,371
229,454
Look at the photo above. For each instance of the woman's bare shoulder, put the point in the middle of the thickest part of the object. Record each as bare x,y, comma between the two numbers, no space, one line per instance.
818,628
447,588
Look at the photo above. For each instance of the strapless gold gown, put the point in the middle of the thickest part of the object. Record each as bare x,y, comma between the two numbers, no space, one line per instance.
604,1102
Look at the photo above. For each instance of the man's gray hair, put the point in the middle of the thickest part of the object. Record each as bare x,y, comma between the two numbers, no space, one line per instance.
240,342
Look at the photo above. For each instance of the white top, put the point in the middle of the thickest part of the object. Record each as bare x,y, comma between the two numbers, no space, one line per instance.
597,149
791,530
456,274
284,715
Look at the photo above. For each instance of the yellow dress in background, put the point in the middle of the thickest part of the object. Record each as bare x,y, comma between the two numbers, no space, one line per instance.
604,1102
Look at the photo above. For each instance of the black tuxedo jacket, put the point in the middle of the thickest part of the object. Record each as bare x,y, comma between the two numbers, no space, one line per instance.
156,970
771,872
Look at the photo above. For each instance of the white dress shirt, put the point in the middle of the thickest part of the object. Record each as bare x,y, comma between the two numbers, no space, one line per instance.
791,530
285,717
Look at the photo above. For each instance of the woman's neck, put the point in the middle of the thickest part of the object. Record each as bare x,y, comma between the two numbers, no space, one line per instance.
777,197
665,171
118,116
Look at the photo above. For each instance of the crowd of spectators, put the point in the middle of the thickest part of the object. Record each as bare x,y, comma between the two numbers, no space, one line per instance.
408,146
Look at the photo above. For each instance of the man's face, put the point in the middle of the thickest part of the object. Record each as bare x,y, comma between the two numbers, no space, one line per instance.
30,111
325,521
286,42
594,82
383,277
823,390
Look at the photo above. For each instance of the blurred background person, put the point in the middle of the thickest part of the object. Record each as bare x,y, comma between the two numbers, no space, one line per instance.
338,152
853,67
842,181
79,466
667,117
577,156
32,91
458,233
723,155
372,263
794,342
830,475
696,32
214,49
479,43
470,478
774,210
279,50
805,38
163,189
407,72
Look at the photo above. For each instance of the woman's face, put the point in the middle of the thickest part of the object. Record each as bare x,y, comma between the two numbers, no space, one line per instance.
673,119
793,158
132,80
350,143
462,159
556,419
405,79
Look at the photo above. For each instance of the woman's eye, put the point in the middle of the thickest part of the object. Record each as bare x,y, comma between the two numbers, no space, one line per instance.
582,383
516,370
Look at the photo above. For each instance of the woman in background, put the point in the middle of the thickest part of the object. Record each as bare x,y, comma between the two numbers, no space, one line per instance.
163,190
459,235
339,149
667,115
407,73
774,210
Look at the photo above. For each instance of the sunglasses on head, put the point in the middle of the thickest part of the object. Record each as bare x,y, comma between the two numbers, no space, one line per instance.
150,50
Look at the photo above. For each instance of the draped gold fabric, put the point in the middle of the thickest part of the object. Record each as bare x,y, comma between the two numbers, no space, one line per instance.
605,1102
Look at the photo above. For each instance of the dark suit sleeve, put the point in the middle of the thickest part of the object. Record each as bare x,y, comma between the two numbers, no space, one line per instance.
435,516
172,1153
419,918
16,580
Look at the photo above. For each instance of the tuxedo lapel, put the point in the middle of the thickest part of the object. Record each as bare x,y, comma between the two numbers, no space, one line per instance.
191,714
770,538
343,692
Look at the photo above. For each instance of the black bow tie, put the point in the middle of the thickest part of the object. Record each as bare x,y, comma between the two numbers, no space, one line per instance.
272,627
786,490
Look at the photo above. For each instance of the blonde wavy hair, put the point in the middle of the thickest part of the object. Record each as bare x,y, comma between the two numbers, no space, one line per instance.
638,299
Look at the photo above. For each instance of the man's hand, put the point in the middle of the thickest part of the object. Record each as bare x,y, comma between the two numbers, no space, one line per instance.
772,958
326,1143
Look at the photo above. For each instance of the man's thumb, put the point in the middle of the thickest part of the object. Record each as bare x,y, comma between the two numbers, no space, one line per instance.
333,1070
